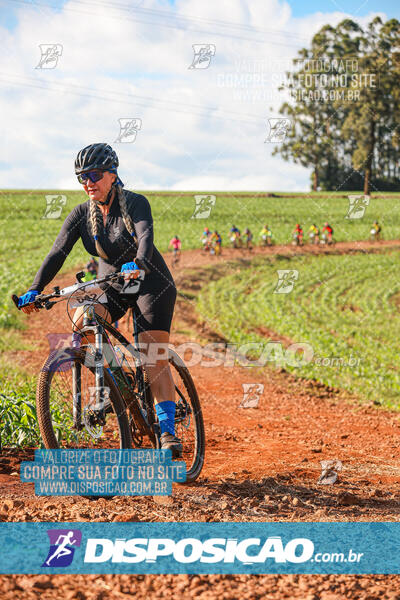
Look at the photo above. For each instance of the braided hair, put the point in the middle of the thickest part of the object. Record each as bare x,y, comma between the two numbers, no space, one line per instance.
96,223
96,219
124,212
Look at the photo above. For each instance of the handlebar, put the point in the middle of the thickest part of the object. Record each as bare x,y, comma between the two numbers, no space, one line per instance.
45,300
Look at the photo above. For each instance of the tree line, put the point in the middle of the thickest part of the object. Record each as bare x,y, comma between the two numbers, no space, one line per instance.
344,107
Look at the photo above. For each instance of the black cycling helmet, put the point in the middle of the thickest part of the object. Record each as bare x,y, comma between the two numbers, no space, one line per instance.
96,156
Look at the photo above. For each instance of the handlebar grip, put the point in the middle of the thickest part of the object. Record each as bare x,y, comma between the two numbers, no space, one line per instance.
15,299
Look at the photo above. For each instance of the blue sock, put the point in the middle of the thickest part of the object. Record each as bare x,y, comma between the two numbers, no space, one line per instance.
166,416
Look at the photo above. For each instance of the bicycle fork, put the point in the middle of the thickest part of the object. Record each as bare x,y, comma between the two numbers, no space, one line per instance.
90,324
77,395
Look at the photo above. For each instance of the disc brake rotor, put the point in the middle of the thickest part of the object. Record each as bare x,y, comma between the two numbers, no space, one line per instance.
182,414
92,426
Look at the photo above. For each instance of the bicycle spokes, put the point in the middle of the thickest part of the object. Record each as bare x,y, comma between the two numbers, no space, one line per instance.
73,413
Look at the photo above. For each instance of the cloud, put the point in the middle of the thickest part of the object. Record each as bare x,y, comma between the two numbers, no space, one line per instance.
201,128
272,180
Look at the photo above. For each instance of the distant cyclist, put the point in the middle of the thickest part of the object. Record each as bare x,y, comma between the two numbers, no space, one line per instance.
216,242
313,234
91,269
266,236
298,235
206,239
327,233
235,237
175,243
249,236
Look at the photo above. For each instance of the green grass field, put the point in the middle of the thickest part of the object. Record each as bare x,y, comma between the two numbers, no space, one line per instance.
27,237
346,307
313,311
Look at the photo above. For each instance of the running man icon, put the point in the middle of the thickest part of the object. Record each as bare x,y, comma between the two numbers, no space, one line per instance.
61,551
54,206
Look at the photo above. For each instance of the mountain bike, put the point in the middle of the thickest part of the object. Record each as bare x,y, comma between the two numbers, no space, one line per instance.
249,244
176,256
97,395
216,249
206,243
266,240
297,239
236,241
326,240
375,236
313,239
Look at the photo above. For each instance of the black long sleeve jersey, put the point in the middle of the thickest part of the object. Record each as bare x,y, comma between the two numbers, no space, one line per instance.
114,238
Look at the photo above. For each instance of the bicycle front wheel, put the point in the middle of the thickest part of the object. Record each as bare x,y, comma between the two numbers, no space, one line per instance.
67,373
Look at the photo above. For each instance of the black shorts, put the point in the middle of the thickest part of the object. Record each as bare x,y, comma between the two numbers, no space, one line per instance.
153,305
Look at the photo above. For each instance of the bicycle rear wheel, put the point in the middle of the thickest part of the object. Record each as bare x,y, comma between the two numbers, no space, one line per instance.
54,400
189,426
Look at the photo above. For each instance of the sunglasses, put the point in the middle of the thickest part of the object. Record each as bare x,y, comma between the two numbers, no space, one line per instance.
92,175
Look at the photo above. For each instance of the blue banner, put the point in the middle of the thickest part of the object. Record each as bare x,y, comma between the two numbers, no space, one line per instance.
200,548
106,472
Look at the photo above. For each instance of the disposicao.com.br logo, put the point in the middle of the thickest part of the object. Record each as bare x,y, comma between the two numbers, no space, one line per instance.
212,550
216,553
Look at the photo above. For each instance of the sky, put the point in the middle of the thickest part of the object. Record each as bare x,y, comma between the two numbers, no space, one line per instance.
130,74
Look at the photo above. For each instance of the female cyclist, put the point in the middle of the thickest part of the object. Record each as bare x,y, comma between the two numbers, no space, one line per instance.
117,226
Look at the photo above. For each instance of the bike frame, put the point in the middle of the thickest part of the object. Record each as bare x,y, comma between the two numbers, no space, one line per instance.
94,324
90,324
103,351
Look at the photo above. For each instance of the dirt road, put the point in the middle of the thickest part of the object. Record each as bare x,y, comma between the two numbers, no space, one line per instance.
262,464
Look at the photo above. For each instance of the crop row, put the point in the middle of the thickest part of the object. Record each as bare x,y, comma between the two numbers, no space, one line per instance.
27,236
344,307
